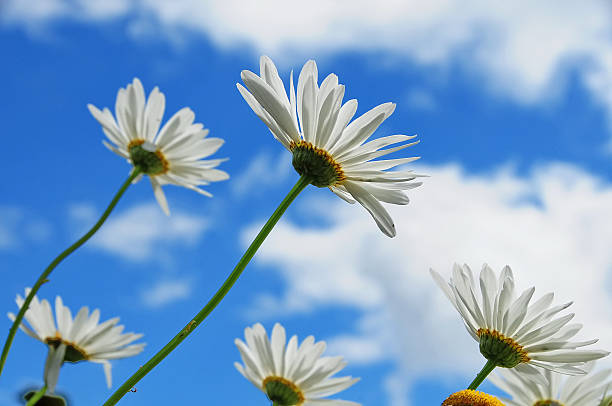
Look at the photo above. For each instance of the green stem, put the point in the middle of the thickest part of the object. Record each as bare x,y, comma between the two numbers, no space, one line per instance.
43,277
36,397
214,301
486,370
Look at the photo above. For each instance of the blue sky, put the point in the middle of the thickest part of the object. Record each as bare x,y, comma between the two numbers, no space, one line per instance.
512,107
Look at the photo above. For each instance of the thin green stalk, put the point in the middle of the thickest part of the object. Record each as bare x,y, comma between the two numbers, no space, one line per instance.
214,301
486,370
43,277
36,397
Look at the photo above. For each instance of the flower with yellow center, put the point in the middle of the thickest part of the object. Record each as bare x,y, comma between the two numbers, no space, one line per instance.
291,375
326,146
514,332
75,340
558,390
172,155
470,397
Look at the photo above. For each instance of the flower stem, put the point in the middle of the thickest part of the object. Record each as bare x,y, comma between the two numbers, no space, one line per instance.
218,296
36,397
486,370
43,277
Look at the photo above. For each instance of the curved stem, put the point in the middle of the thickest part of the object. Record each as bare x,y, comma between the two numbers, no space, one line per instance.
43,277
36,397
486,370
214,301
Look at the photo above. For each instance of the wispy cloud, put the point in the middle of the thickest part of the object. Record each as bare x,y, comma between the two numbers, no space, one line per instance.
165,292
17,227
142,232
552,227
263,172
522,49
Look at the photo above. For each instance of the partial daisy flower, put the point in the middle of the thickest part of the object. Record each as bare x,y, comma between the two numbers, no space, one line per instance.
583,390
78,339
290,374
173,155
513,333
470,397
314,126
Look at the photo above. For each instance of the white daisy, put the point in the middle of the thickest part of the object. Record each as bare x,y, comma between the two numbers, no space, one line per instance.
513,333
325,147
81,339
170,156
583,390
291,374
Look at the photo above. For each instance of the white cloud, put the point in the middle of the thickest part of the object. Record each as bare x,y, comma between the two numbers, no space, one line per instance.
420,99
263,172
165,292
142,232
522,48
553,227
17,227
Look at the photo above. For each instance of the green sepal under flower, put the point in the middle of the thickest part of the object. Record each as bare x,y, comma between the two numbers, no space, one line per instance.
316,163
547,403
145,156
503,351
282,392
46,400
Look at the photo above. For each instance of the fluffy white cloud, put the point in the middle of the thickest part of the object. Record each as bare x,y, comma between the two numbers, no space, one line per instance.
553,227
17,227
141,232
521,48
165,292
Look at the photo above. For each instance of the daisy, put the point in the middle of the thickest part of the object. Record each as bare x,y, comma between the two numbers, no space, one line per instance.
170,156
470,397
291,374
314,126
78,339
583,390
512,331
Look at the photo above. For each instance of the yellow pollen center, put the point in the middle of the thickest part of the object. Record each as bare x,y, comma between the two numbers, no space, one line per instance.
470,397
283,391
316,163
504,351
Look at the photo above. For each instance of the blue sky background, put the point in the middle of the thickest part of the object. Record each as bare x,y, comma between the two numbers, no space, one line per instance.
512,107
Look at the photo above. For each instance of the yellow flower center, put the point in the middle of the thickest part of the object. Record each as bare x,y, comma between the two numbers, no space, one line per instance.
470,397
149,161
504,351
74,353
282,391
316,163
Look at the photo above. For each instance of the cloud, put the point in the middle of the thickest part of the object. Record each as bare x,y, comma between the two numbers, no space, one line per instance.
522,49
141,232
263,172
165,292
18,227
551,226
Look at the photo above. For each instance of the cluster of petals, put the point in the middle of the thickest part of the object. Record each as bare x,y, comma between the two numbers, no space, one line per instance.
536,326
302,365
97,342
181,143
580,390
317,116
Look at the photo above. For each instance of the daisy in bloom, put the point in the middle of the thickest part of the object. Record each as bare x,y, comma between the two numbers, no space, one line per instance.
290,374
78,339
514,332
583,390
170,155
470,397
314,125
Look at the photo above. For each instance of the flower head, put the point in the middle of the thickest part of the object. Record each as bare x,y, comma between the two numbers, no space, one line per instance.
583,390
511,331
173,155
291,374
470,397
314,126
75,340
